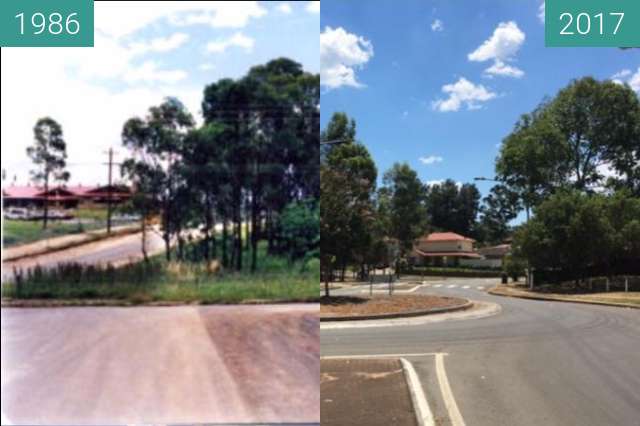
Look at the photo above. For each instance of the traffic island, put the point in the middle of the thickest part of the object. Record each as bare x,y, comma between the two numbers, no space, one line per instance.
349,308
619,299
370,392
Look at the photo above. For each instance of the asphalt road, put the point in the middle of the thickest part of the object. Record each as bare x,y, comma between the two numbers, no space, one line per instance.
161,365
533,363
113,250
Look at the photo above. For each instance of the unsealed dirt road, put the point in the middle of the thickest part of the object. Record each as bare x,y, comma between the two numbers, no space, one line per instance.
217,364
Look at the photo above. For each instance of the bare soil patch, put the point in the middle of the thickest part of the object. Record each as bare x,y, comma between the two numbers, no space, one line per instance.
350,306
370,392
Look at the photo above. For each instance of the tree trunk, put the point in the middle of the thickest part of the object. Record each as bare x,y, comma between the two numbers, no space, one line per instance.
254,232
225,241
144,238
46,201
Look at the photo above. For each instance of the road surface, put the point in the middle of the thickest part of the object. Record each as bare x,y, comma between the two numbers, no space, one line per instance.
113,250
533,363
161,365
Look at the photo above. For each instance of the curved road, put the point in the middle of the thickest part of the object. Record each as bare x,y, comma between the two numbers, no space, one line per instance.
534,363
127,248
161,365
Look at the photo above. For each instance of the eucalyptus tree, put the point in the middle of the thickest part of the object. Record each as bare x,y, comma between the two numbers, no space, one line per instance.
156,143
49,154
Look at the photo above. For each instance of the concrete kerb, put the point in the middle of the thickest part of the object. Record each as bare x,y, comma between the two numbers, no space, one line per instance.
497,291
424,416
75,240
460,307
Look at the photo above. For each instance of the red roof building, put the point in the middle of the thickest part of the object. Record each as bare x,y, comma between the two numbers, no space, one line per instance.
63,196
443,248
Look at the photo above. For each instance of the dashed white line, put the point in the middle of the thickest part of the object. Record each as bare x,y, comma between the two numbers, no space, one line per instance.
466,286
437,286
383,355
447,394
424,416
452,286
480,287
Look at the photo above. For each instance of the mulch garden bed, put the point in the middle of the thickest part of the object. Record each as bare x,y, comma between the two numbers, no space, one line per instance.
350,306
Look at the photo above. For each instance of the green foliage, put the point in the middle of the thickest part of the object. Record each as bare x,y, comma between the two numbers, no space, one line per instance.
49,154
16,232
299,227
160,281
407,215
499,208
256,152
514,267
453,208
581,235
347,184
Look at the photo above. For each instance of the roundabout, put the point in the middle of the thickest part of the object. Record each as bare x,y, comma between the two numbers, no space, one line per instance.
520,362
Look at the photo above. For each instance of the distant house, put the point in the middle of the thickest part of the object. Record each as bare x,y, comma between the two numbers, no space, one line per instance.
63,196
101,194
34,197
492,257
443,249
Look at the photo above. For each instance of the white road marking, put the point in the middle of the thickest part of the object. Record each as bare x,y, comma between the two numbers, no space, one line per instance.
437,285
452,286
383,355
414,289
466,286
424,416
480,287
447,394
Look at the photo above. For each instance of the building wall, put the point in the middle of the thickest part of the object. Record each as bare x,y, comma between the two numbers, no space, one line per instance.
444,246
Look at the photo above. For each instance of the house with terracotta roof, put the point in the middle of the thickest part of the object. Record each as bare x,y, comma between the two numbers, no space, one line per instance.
35,196
443,249
63,196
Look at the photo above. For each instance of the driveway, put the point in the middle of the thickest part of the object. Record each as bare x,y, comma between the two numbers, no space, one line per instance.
533,363
167,365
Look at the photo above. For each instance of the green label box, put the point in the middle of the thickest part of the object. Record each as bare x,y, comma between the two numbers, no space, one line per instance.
592,23
46,23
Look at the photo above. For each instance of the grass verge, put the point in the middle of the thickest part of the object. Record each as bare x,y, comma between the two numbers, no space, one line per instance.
17,232
623,299
276,280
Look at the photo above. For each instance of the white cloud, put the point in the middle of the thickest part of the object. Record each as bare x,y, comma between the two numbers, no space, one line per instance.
501,47
440,182
634,81
313,7
405,114
432,159
148,72
463,92
160,44
501,69
541,12
237,40
341,53
207,66
118,20
285,8
91,115
437,25
629,77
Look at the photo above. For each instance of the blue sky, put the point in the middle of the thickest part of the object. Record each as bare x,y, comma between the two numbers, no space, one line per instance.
144,51
384,65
